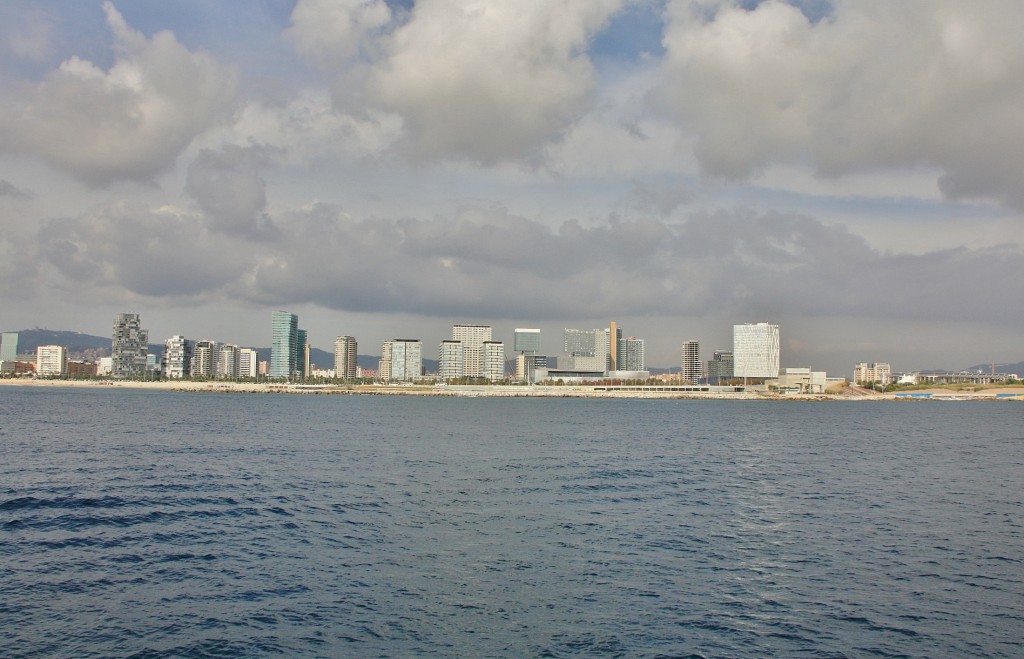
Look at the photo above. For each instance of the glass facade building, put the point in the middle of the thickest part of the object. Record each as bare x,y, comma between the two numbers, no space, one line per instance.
284,342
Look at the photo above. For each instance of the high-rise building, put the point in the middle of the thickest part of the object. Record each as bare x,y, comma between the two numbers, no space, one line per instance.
631,354
384,365
177,360
301,354
345,358
129,348
228,357
406,359
247,363
284,344
526,341
494,360
587,349
527,365
204,359
449,360
9,347
720,368
692,369
472,337
755,350
51,361
614,338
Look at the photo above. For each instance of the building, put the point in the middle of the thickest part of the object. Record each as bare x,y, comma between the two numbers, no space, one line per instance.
81,370
51,361
129,348
494,360
384,365
284,344
526,341
614,343
755,350
586,350
176,362
527,365
406,359
302,365
802,380
631,355
204,358
449,360
878,373
9,347
472,338
720,368
228,357
247,363
346,359
692,370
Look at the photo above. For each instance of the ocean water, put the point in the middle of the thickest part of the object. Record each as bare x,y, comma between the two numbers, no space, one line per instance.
158,524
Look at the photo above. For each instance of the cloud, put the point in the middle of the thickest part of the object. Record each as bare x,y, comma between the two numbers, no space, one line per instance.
870,85
127,123
230,190
158,253
331,33
8,189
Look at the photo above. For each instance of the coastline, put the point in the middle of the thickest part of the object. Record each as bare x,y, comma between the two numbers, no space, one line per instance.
521,391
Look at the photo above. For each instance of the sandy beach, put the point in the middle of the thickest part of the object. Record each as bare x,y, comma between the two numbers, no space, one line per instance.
517,391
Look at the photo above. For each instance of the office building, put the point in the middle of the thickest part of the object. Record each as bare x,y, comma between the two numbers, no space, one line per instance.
9,347
176,362
384,365
720,368
494,360
129,348
472,338
526,341
51,361
449,360
406,359
692,370
880,373
527,365
284,344
755,350
346,366
587,350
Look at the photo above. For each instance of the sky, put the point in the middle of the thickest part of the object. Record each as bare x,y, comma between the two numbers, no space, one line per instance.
852,171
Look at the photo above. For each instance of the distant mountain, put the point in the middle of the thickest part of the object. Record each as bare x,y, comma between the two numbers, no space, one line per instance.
1017,368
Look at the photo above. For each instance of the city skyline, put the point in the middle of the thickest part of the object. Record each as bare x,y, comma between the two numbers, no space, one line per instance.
679,167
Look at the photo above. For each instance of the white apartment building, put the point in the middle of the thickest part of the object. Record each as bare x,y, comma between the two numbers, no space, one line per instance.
248,363
51,361
755,349
494,360
692,368
177,358
449,360
472,338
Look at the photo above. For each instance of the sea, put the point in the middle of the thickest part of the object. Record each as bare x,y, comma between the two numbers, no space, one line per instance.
141,523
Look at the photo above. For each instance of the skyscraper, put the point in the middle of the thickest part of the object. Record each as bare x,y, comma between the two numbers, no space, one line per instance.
692,369
720,368
472,337
345,358
631,354
129,348
247,367
384,365
204,359
614,337
755,349
284,343
526,340
177,359
9,347
587,349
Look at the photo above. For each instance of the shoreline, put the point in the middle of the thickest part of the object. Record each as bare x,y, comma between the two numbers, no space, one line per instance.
521,391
